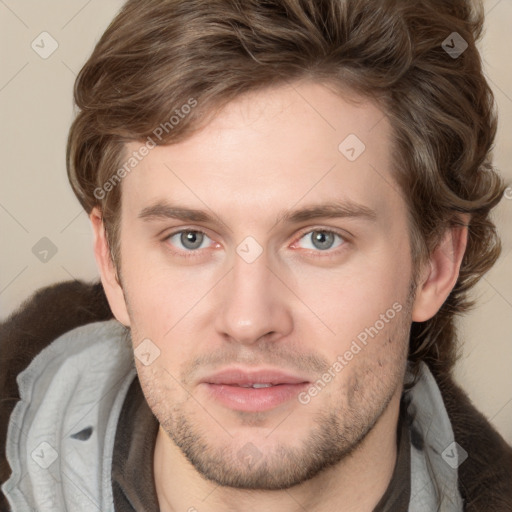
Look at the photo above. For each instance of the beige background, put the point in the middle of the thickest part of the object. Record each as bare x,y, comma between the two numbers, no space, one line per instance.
36,200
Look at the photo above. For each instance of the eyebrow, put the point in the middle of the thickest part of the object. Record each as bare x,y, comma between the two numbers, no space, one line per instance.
336,209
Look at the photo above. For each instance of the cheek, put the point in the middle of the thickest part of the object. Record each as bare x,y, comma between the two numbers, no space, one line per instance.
342,302
159,294
164,308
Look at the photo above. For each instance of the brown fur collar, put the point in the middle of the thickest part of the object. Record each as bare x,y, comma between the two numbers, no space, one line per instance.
485,478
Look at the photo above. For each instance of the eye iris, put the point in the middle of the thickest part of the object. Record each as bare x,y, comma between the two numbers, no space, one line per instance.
191,237
321,237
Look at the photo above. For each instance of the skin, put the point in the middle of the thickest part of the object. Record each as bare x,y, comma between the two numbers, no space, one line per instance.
296,307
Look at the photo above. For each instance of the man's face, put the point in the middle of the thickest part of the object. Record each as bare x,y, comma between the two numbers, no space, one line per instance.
266,298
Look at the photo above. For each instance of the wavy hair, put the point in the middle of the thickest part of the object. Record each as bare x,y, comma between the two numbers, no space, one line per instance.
157,54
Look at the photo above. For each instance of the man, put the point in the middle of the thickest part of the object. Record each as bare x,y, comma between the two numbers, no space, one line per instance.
290,200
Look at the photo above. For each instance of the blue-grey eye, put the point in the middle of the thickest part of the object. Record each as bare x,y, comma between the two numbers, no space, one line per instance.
190,240
322,239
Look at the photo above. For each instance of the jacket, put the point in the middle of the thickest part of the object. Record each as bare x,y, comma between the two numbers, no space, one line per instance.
69,327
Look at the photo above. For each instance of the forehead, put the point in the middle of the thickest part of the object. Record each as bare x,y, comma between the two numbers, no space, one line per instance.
274,148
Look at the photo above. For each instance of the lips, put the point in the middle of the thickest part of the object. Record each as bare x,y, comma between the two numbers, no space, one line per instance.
253,391
258,379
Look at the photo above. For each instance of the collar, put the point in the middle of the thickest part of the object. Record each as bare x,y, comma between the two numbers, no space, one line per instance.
61,432
435,456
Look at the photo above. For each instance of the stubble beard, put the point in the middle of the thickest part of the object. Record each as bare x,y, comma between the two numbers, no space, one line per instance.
334,435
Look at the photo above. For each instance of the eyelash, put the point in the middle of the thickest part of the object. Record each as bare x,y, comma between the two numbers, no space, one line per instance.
316,253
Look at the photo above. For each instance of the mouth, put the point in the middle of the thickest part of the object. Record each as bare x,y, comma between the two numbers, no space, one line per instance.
253,391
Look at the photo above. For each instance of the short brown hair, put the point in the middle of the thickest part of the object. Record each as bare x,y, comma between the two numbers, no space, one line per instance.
158,54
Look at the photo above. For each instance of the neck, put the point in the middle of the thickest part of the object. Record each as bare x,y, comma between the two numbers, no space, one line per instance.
356,483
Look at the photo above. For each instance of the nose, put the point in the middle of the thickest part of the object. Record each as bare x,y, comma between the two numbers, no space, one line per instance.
253,303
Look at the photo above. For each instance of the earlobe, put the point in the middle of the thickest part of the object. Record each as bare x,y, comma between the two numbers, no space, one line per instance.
109,279
441,273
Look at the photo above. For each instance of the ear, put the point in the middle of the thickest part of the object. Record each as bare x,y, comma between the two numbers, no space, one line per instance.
441,272
109,279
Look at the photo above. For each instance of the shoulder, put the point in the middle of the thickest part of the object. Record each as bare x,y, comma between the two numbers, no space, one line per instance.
46,315
485,477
